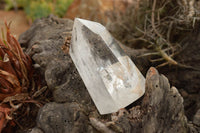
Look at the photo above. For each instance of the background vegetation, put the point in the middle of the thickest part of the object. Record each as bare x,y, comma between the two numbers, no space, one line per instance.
40,8
161,26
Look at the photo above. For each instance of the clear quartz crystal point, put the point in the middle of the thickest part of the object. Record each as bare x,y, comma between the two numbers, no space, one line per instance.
112,79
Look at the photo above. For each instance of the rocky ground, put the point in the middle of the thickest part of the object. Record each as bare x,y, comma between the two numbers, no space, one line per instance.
161,109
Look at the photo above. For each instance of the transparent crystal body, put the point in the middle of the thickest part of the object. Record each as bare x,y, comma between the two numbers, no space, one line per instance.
112,79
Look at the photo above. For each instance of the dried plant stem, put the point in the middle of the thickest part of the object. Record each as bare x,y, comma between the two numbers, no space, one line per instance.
165,26
99,126
158,48
191,11
153,23
166,57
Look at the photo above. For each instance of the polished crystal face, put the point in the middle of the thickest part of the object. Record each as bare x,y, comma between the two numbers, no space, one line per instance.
112,79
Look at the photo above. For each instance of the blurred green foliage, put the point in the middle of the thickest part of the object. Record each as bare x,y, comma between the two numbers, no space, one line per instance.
40,8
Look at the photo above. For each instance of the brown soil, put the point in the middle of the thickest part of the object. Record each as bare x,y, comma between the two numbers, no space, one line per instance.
18,19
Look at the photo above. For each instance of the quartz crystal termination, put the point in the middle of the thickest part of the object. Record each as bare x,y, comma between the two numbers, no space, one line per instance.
112,79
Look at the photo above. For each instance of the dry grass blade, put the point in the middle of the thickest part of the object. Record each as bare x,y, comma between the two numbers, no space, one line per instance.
8,87
10,78
4,115
15,73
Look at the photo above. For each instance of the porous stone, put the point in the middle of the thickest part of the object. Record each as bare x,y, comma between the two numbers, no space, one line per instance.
44,41
62,118
159,110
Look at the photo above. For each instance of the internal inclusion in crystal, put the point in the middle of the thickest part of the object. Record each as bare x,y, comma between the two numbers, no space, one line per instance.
112,79
118,79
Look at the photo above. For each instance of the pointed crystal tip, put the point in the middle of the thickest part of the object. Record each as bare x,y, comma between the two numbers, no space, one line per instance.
112,79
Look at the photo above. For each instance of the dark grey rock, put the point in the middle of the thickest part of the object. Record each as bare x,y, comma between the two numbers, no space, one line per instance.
159,110
44,41
51,28
45,45
62,118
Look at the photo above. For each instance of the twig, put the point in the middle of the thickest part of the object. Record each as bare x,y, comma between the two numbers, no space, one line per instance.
39,92
184,3
153,22
99,126
162,65
148,54
156,60
169,31
20,126
144,34
127,29
166,57
188,67
191,11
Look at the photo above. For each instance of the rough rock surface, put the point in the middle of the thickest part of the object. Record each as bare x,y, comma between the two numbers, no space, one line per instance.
45,41
159,110
69,117
196,119
182,78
